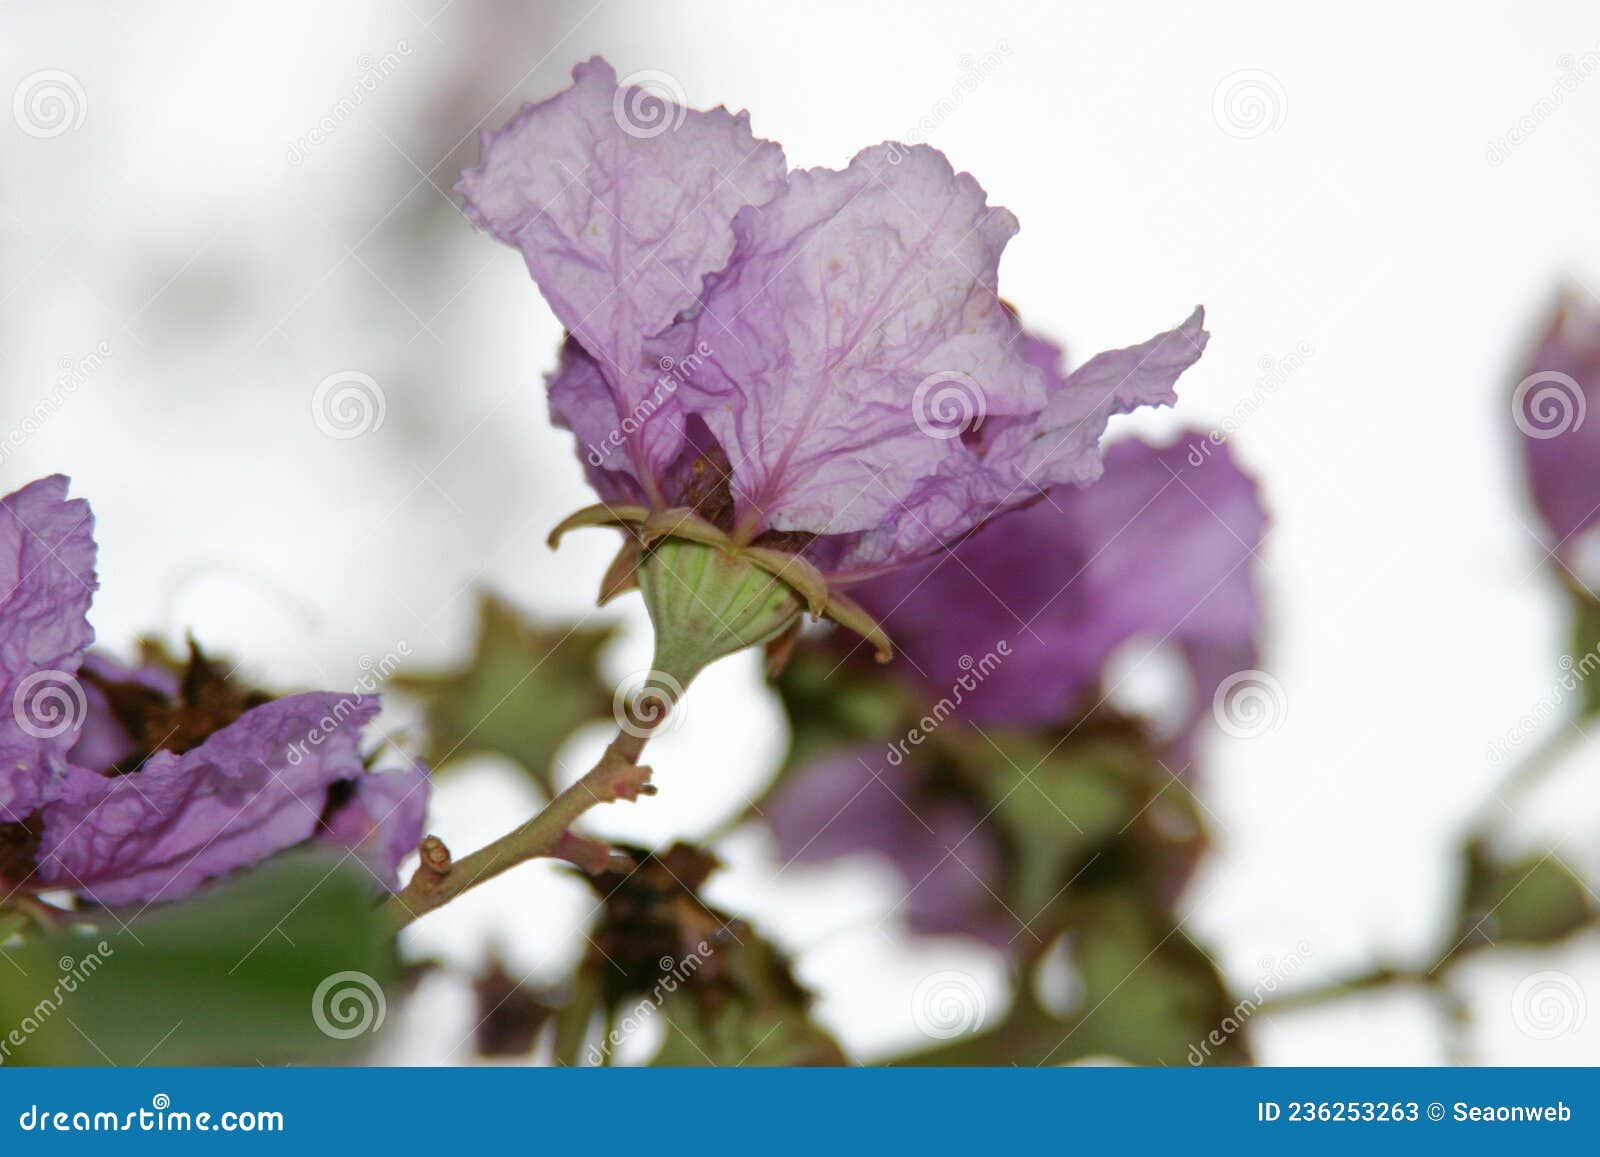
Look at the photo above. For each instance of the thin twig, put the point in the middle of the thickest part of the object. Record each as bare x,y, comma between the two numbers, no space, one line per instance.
616,776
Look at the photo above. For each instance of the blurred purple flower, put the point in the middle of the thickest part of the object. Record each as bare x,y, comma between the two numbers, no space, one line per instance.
1160,549
819,355
859,802
1556,408
1014,628
133,785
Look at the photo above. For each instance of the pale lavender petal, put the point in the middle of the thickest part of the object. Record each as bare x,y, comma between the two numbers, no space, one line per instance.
1014,458
621,202
47,555
254,788
854,337
1059,446
382,820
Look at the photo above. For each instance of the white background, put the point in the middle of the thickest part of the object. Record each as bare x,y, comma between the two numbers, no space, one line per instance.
229,270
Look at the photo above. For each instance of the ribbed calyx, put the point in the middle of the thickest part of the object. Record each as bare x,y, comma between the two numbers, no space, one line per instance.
710,596
707,603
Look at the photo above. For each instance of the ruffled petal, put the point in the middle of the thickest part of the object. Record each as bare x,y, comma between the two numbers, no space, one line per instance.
621,202
47,556
855,338
1015,459
254,788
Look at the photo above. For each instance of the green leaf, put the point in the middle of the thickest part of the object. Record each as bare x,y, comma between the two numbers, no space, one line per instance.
1058,806
523,692
1149,994
1530,900
285,963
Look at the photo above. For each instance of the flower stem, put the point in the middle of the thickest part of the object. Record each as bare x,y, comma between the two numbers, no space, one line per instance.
616,776
1380,977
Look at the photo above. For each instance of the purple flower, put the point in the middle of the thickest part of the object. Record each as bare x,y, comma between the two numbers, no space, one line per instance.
1014,628
1017,622
1556,407
815,360
858,802
137,785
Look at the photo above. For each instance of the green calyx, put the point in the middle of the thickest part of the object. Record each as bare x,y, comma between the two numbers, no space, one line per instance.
709,595
707,602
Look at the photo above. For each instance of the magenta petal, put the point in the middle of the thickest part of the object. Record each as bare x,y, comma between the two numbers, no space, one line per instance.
254,788
854,337
382,820
47,555
621,202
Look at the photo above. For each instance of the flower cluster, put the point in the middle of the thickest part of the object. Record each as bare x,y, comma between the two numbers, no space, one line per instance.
133,785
